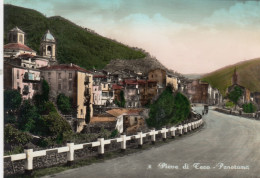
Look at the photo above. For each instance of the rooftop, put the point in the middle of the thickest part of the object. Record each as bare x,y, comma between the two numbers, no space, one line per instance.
16,29
17,46
65,67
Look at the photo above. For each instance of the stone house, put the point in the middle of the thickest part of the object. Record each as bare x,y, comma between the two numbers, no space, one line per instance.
148,90
103,91
163,79
131,120
214,96
73,81
197,91
131,93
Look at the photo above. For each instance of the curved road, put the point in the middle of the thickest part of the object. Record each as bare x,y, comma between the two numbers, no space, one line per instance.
227,146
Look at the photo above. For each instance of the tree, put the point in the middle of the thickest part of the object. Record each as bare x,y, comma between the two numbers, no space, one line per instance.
121,101
28,116
235,95
45,90
12,100
169,108
64,104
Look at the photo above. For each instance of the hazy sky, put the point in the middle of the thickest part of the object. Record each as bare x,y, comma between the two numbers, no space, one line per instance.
190,36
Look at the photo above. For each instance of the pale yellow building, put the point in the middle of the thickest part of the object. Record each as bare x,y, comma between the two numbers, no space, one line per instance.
173,81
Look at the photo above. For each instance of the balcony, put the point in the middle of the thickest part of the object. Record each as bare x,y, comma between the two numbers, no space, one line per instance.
30,78
86,82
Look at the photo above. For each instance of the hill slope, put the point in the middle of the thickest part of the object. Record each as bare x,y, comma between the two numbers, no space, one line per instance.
74,43
248,76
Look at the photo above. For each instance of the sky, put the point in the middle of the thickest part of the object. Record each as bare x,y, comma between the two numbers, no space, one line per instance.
189,36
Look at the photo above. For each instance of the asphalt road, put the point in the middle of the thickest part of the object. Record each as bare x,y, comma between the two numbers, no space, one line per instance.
227,146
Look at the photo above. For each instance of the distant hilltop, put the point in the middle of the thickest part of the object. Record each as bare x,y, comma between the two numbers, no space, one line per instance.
248,76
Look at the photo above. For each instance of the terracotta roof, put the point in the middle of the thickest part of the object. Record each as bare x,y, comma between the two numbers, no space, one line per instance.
102,119
141,81
18,46
120,111
64,67
117,87
133,82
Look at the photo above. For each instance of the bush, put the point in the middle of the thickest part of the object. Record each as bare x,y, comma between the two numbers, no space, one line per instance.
14,136
55,124
168,109
249,108
230,104
64,104
115,133
12,100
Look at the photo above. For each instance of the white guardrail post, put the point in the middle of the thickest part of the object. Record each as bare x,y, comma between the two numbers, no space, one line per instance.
185,128
164,132
70,153
140,139
29,160
123,142
153,134
180,130
172,130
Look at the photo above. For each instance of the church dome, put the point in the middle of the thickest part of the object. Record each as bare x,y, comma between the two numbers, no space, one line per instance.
48,37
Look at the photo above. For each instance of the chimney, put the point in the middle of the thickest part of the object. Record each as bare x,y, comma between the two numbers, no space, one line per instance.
71,64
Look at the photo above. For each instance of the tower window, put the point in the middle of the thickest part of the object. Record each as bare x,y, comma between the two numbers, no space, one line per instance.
21,38
49,50
59,75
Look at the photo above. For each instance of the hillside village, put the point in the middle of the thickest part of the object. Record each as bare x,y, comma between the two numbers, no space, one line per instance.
116,100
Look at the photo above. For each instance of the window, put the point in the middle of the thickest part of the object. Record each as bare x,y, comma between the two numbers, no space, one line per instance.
135,119
21,38
59,86
24,65
49,74
49,80
59,75
18,85
104,85
70,85
81,111
152,76
18,74
70,75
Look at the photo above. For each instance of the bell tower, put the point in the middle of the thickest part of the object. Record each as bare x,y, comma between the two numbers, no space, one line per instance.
16,36
48,46
234,77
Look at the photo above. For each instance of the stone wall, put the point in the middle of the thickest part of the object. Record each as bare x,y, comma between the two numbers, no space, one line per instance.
255,116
